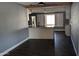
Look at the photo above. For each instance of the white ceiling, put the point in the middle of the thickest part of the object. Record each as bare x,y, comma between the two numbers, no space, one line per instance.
28,3
47,3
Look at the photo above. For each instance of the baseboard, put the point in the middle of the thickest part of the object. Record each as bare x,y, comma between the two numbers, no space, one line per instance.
74,47
40,38
13,47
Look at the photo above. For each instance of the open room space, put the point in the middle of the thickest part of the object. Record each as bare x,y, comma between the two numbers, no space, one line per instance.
39,29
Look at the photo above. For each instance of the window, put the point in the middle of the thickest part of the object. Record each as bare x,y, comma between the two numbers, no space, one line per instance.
50,20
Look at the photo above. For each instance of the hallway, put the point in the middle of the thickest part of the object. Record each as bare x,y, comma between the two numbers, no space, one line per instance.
59,46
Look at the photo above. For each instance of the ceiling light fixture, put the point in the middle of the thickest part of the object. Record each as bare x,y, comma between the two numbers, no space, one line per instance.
41,3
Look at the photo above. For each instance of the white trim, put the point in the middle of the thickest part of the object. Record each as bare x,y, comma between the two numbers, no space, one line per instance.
40,38
74,47
13,47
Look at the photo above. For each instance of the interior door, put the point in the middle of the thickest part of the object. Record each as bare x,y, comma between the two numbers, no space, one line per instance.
33,21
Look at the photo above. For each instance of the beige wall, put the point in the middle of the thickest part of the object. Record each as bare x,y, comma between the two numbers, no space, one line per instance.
13,26
12,17
75,26
40,33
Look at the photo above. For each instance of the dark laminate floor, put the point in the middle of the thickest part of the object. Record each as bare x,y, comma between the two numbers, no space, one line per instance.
59,46
34,47
63,45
